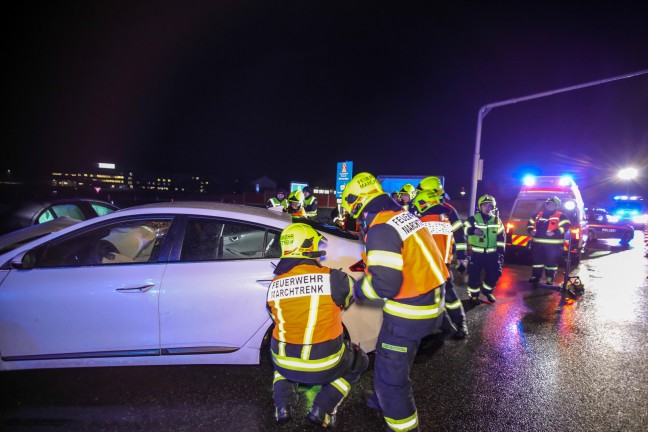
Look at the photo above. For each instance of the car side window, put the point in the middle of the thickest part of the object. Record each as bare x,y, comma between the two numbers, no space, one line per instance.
101,209
216,240
70,210
125,242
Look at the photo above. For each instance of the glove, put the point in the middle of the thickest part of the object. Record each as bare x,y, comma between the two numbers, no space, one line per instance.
532,232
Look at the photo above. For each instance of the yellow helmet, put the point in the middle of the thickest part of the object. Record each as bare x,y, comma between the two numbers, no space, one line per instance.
433,184
486,199
425,199
362,188
553,199
296,197
299,240
407,189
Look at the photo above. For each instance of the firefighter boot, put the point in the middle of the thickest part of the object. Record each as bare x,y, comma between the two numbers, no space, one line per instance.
491,298
462,330
318,417
534,279
371,399
283,413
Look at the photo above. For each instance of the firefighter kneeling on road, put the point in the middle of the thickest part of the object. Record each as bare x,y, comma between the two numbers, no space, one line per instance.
486,241
405,268
548,229
308,346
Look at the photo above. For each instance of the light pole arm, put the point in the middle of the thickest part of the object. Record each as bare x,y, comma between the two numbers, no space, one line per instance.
486,108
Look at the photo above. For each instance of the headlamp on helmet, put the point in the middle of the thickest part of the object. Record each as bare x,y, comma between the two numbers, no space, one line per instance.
299,240
362,188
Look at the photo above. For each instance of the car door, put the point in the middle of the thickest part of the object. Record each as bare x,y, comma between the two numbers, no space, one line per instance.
213,299
91,293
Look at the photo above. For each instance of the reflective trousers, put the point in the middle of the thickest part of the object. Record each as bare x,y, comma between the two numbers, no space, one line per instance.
545,257
452,301
336,382
397,346
483,261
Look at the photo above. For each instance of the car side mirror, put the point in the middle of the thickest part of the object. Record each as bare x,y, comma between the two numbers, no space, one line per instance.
24,261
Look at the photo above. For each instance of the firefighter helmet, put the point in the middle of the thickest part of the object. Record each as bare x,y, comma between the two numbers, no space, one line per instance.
553,199
362,188
409,190
299,240
296,197
433,184
425,199
486,199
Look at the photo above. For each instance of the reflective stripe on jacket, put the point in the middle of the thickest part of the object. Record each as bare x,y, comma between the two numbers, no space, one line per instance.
557,223
418,261
492,238
310,206
302,307
441,230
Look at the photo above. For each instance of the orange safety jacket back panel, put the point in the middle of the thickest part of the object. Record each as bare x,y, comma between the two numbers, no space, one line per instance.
423,266
441,229
302,307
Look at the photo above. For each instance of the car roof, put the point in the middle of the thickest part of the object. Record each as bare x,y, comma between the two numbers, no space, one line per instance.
188,206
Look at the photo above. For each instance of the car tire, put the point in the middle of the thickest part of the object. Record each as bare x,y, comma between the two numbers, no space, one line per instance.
627,237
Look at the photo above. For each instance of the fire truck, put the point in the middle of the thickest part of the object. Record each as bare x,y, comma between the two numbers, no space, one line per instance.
532,196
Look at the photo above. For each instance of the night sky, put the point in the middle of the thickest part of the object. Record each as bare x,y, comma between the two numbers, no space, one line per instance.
287,89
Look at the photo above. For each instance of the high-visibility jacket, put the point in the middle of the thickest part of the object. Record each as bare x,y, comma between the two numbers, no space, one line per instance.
310,205
305,302
296,214
274,202
406,267
492,238
302,308
446,228
556,223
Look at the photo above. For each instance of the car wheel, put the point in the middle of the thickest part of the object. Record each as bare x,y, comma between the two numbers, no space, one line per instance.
627,237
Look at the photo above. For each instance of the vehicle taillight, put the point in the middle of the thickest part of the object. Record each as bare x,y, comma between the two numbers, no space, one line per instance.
358,267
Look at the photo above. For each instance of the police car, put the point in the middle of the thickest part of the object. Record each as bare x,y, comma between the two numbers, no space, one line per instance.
532,196
601,227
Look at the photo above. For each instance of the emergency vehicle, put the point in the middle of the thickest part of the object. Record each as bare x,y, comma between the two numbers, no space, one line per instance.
529,201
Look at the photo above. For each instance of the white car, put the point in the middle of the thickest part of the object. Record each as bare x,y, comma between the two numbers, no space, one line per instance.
161,284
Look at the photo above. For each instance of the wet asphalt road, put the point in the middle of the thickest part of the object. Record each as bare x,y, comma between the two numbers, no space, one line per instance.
528,365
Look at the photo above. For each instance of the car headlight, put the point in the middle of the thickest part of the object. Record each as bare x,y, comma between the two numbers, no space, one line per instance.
613,218
641,219
570,205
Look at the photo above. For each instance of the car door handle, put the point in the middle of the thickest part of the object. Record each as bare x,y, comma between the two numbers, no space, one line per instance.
143,288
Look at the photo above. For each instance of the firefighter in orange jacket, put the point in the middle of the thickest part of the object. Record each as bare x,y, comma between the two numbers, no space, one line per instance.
308,346
405,269
548,229
296,205
442,220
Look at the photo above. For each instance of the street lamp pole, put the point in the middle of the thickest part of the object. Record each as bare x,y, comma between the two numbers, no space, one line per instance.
483,111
